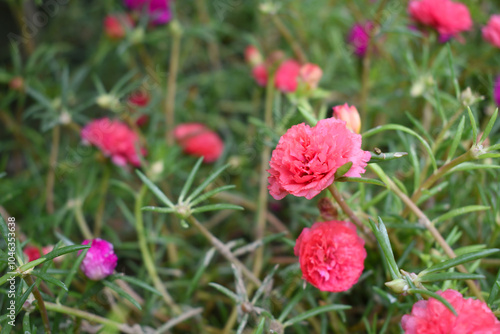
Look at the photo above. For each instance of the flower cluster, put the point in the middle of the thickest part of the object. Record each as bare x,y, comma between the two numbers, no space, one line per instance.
290,74
431,316
331,255
306,159
114,139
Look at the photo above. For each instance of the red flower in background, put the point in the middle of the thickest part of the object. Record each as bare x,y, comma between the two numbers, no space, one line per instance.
32,252
432,317
198,140
116,25
114,139
158,10
331,255
286,76
447,17
260,75
305,160
491,32
310,75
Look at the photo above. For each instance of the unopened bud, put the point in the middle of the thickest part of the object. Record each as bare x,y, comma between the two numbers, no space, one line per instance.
350,115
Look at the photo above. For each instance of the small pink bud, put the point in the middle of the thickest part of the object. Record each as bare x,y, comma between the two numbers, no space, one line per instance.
260,75
350,115
32,252
310,74
100,260
253,56
115,25
139,98
17,83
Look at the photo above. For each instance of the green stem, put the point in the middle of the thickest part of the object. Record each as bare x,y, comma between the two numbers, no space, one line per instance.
89,316
146,255
80,219
352,216
467,156
172,81
434,232
41,305
49,190
100,209
301,56
224,250
264,163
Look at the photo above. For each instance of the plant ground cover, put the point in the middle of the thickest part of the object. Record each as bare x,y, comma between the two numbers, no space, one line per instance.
231,166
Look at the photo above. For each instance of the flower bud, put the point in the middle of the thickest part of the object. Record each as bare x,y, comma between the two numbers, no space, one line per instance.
491,32
260,75
310,74
115,26
327,210
253,56
468,97
100,260
350,115
398,285
17,83
108,101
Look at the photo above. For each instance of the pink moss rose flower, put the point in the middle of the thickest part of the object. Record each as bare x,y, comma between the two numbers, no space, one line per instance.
331,255
114,139
447,17
310,75
286,76
350,115
158,10
305,160
359,37
432,317
198,140
260,75
491,32
100,261
115,26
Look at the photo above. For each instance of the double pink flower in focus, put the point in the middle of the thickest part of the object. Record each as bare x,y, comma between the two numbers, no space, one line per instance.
100,260
306,158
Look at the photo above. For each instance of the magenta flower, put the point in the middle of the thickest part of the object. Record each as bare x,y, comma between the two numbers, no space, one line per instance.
158,10
359,37
306,159
100,260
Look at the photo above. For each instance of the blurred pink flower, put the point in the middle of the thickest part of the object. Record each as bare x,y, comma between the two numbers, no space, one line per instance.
310,74
491,32
431,316
32,252
198,140
158,10
305,160
253,56
100,260
286,76
447,17
350,115
115,26
359,37
331,255
114,139
260,75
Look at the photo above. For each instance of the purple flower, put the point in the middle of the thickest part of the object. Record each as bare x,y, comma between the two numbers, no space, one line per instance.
496,91
100,260
158,10
359,37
